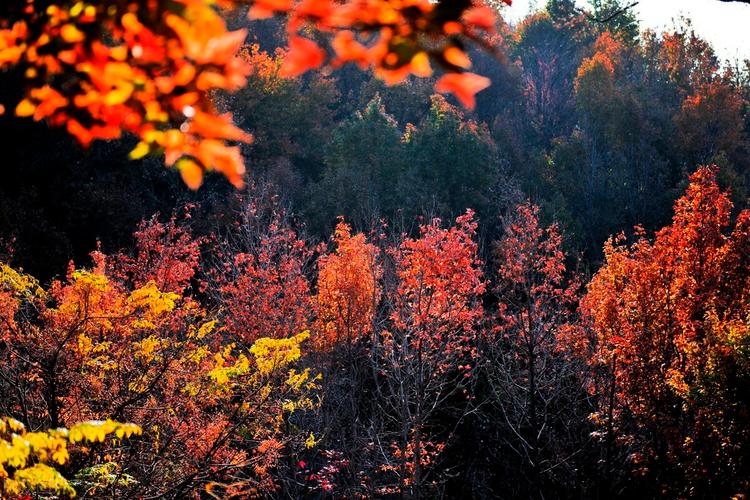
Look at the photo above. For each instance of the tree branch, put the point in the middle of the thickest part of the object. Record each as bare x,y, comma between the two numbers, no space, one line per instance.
624,9
616,13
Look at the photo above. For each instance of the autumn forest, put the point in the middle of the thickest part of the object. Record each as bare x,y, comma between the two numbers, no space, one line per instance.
371,249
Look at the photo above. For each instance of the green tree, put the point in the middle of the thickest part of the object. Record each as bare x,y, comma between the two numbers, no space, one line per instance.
453,163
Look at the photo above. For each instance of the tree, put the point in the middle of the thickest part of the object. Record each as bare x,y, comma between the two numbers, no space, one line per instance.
166,253
363,178
689,60
260,280
348,290
600,105
535,387
454,164
90,348
668,320
710,124
109,343
25,457
426,356
290,118
549,50
617,18
615,170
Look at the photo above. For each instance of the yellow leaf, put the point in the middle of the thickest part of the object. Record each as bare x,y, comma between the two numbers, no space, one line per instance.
420,65
140,150
191,172
76,10
119,94
310,441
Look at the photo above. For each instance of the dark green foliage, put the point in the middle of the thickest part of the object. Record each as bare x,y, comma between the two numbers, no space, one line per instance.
375,169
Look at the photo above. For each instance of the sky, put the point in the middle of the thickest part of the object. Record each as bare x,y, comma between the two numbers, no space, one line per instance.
725,25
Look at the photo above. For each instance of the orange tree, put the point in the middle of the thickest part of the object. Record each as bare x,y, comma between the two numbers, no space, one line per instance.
348,290
670,338
149,67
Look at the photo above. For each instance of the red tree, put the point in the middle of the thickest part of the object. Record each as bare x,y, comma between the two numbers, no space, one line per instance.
530,375
262,284
428,353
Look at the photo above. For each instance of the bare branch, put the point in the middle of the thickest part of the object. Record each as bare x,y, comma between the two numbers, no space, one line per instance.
616,13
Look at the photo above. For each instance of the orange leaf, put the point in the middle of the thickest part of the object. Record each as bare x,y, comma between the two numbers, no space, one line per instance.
131,23
71,34
221,127
80,132
263,9
25,108
227,160
222,48
320,9
463,85
50,100
173,143
457,57
181,102
303,55
393,76
452,28
349,49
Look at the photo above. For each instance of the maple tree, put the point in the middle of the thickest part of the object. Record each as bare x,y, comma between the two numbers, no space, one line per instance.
688,60
109,343
261,282
669,324
348,289
527,368
166,253
428,349
149,68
